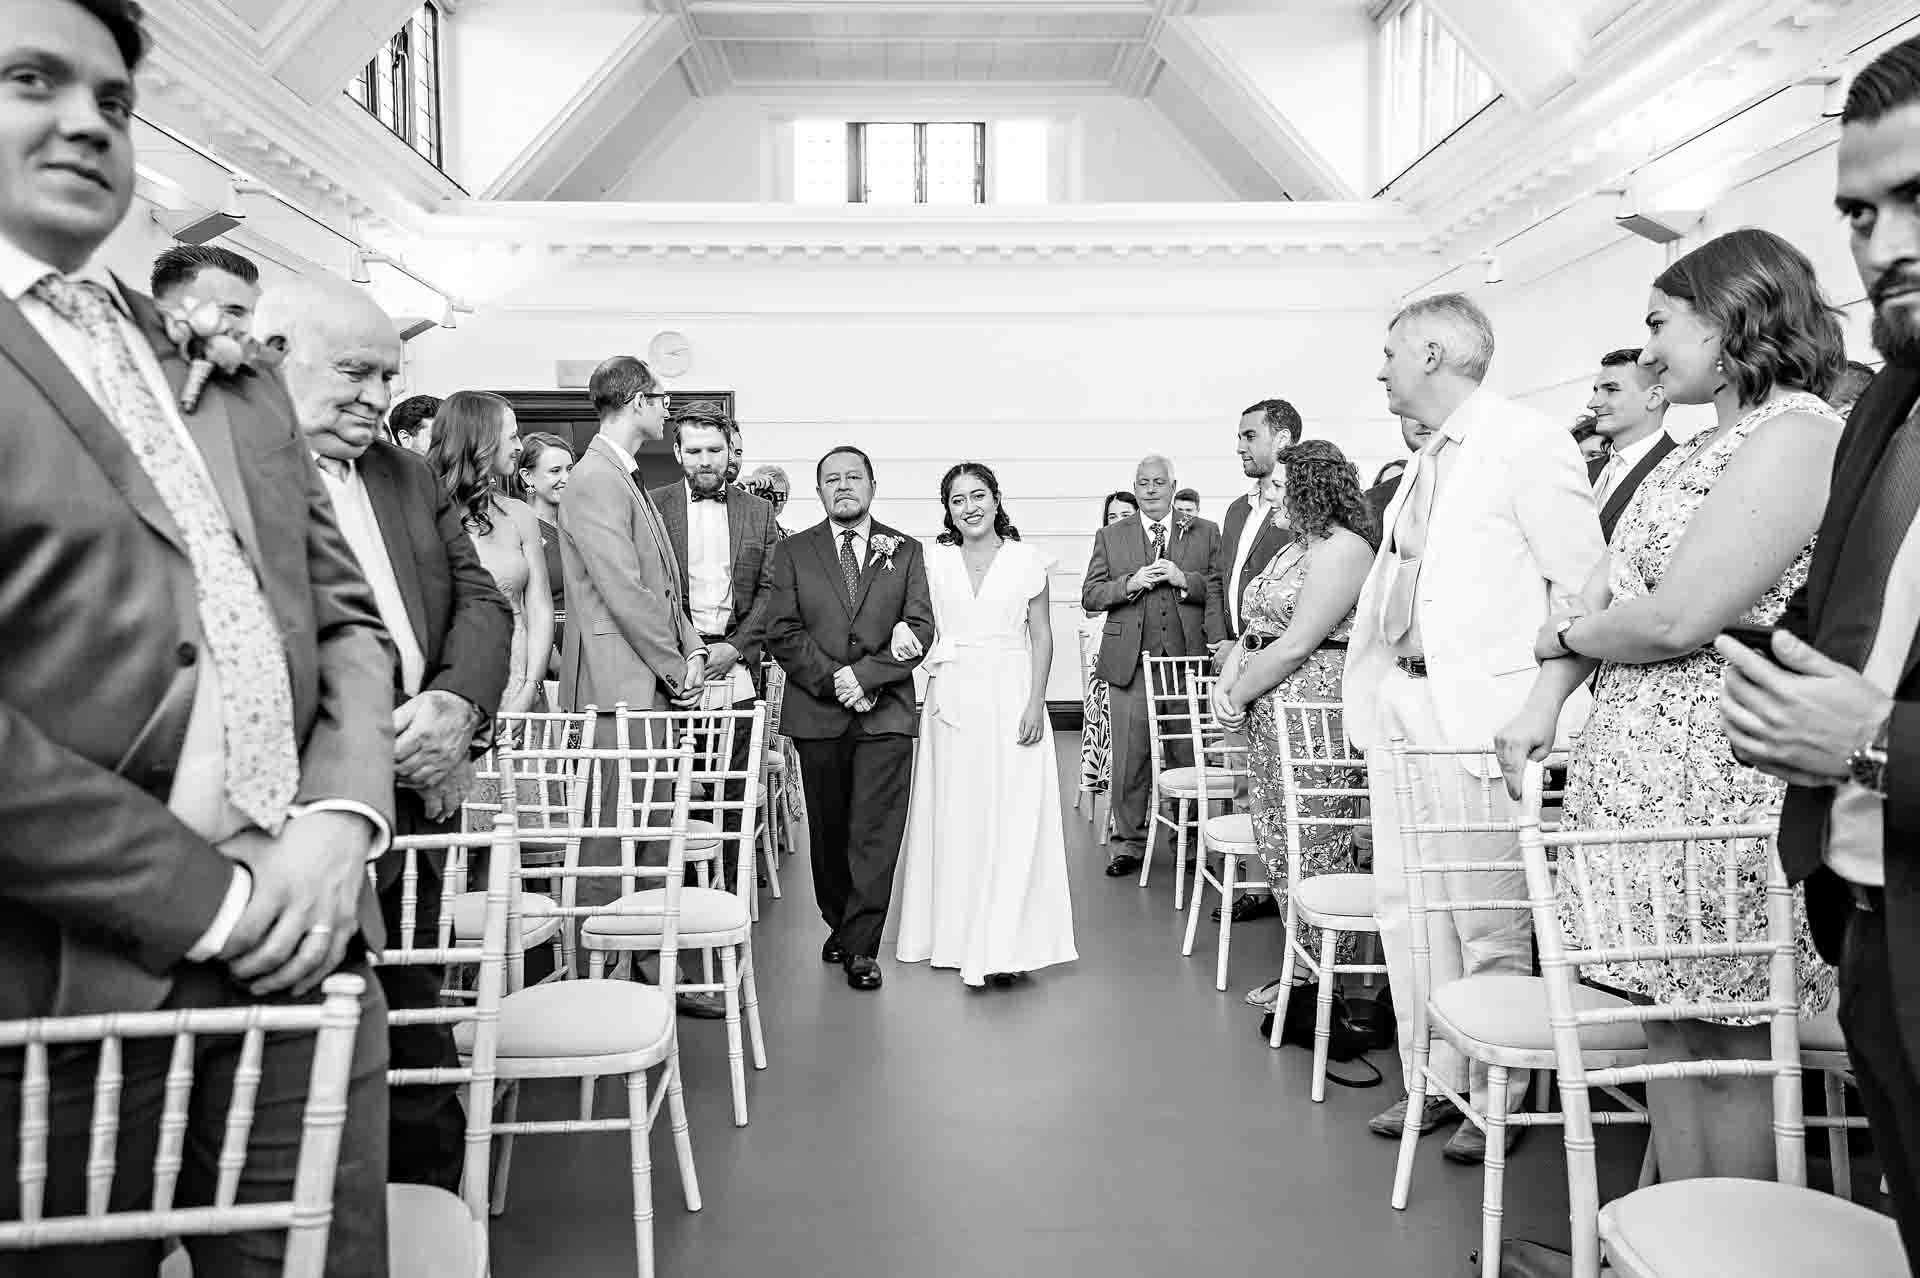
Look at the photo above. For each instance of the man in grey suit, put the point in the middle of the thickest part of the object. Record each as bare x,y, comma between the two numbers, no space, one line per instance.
196,703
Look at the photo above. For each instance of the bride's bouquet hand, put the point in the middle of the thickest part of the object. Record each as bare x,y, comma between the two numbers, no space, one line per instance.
906,645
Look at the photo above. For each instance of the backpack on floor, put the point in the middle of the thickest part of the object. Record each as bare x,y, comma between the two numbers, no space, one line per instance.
1346,1039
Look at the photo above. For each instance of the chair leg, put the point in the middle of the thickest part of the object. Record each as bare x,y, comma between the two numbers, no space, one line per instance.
1153,828
596,970
1180,884
682,1143
1494,1180
776,840
1229,882
1286,983
510,1113
1103,822
1649,1163
1323,1014
1195,899
1409,1133
642,1157
1839,1158
736,1057
750,996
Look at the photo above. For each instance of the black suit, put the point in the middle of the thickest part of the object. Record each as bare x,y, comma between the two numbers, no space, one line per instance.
751,537
1268,542
856,769
1878,953
465,631
1616,504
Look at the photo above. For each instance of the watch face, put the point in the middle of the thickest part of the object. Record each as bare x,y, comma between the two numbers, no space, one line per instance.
1868,768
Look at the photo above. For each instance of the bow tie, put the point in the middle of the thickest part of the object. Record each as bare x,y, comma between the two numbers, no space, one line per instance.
719,494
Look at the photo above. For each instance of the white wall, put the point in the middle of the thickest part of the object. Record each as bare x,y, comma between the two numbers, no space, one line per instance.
1059,374
735,148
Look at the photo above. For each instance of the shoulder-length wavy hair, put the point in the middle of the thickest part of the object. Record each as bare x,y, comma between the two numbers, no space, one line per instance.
1002,526
1776,326
466,439
1120,495
1323,492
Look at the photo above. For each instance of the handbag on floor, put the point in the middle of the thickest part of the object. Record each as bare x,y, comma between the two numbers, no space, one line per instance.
1346,1040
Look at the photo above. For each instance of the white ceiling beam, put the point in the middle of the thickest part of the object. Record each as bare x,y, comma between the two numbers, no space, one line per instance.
1532,48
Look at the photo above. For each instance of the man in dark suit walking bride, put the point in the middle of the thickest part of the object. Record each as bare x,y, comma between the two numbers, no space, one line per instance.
839,589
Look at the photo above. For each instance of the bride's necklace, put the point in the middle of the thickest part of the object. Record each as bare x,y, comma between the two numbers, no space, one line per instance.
979,562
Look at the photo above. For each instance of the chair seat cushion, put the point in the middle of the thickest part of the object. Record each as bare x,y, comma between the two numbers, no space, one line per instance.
1184,783
538,922
1236,828
702,910
1821,1032
1511,1011
1717,1227
430,1234
578,1018
1350,895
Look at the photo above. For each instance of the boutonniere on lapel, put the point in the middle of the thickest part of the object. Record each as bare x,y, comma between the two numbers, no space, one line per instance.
199,330
1180,525
883,547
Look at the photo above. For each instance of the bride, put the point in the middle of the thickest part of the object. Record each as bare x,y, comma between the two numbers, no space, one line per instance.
984,881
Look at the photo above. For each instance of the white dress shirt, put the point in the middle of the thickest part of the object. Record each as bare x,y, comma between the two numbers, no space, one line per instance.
710,587
199,794
1259,512
358,524
1620,464
862,531
1856,832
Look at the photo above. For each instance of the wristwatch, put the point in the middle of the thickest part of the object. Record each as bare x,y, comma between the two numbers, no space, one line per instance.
1560,633
1867,765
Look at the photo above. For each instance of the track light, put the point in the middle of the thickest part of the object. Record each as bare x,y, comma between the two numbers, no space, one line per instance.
1629,206
358,271
449,317
1494,274
1834,102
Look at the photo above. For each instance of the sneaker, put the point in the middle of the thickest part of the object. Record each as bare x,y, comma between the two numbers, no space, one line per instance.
1436,1111
1469,1145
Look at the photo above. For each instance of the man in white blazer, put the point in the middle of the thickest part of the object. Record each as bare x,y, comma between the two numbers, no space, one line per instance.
1493,522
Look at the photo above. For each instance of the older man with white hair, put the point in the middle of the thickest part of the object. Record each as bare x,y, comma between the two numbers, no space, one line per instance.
1492,522
1148,574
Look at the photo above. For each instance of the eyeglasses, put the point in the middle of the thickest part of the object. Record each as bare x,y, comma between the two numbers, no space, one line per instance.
653,396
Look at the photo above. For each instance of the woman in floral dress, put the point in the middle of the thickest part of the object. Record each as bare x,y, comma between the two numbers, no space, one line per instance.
1096,740
1720,534
1299,610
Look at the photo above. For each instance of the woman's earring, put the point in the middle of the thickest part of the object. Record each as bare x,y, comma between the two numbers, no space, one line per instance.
1719,366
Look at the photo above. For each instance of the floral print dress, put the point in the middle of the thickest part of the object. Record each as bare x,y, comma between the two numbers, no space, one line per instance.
1654,754
1267,608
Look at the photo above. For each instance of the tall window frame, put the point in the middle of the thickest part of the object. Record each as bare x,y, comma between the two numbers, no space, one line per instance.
400,85
860,176
1429,84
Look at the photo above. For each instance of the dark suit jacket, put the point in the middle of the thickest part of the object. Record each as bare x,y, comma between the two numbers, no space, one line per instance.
1623,491
751,537
1267,543
1803,824
813,631
102,890
1118,550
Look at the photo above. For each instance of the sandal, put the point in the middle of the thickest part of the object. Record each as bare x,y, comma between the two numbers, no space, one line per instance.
1267,995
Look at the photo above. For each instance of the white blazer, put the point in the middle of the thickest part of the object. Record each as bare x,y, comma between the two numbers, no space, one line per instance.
1514,529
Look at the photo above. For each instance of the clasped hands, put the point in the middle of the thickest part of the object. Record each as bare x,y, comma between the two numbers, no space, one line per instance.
1160,572
846,686
304,905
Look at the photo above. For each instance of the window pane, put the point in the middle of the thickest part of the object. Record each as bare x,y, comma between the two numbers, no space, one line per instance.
953,164
888,177
1020,162
820,161
1433,85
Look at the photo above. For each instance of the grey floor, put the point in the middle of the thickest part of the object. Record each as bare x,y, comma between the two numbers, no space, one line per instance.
1117,1117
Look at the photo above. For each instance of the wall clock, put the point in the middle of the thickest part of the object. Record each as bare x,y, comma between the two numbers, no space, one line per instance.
670,354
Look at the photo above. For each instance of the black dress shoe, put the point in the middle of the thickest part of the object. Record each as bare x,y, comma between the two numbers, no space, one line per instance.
863,973
830,952
1122,864
1253,905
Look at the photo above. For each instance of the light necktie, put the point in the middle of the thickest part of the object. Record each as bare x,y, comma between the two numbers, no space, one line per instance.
1410,542
849,566
1614,471
1888,505
238,628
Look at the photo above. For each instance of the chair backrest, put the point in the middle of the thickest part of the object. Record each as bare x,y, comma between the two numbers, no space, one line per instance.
1632,912
654,785
488,958
715,734
1317,763
1175,685
549,795
306,1215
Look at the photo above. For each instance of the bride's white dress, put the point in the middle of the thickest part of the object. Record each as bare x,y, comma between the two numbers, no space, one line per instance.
983,882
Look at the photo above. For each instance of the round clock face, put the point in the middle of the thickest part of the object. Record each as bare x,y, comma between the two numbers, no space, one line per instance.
670,354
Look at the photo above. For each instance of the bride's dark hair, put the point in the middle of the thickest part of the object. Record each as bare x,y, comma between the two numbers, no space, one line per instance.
1002,526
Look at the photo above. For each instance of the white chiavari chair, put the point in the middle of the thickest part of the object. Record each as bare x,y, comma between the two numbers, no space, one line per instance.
1497,1020
1170,680
306,1216
578,1029
432,1232
1823,1049
1218,767
1317,766
1711,1225
712,920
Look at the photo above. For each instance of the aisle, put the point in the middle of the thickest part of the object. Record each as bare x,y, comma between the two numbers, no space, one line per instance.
1115,1117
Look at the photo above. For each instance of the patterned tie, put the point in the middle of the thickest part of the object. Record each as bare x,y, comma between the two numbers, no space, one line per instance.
256,697
849,568
1880,524
719,494
1158,548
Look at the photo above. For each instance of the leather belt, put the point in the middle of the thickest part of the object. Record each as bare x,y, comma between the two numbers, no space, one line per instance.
1871,900
1254,641
1413,667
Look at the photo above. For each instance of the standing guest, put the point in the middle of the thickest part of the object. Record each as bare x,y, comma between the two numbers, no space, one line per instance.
1492,523
1299,618
411,423
1853,383
1387,482
449,626
1187,502
1833,714
1629,408
546,463
839,590
771,485
1149,574
476,450
1256,525
206,274
1720,534
1096,739
1593,445
194,701
1118,506
984,885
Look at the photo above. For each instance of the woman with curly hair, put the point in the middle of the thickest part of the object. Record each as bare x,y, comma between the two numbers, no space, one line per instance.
1298,613
476,446
1720,533
983,882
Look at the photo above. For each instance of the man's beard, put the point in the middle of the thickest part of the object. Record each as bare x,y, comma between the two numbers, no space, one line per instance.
1896,334
706,481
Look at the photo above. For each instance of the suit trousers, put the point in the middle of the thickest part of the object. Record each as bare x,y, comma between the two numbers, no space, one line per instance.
427,1122
1462,944
1887,1074
1130,746
857,788
357,1246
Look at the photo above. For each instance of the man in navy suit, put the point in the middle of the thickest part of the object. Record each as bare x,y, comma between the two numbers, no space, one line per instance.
1254,531
1629,408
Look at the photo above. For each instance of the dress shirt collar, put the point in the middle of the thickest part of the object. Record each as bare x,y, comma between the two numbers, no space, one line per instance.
1480,404
347,469
1630,456
620,455
21,270
862,531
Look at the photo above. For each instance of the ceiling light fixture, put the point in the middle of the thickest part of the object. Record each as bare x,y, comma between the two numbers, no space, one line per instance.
357,271
1494,274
